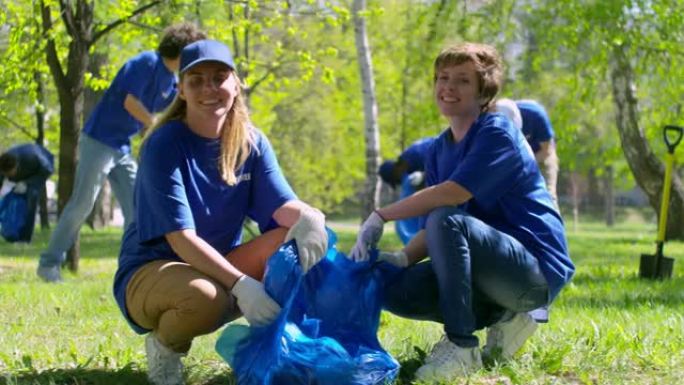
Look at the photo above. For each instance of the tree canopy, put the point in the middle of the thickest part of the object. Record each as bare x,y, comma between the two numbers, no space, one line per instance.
298,62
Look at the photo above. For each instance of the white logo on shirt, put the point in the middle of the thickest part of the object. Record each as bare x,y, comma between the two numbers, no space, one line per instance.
244,177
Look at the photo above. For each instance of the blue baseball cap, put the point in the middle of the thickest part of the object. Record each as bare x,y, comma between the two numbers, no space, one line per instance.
205,51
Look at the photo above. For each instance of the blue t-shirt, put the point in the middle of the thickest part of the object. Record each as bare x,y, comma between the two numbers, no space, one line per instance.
35,164
493,163
144,76
179,186
536,124
414,155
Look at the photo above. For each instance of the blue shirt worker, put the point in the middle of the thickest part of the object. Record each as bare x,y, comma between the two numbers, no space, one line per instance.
204,169
496,242
408,171
29,166
410,164
538,131
146,84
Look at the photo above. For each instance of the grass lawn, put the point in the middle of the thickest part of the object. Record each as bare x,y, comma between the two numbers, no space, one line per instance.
607,326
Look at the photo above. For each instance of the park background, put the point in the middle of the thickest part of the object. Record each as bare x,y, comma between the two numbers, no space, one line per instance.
337,86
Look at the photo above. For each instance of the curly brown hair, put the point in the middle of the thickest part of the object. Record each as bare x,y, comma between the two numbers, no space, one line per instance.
178,36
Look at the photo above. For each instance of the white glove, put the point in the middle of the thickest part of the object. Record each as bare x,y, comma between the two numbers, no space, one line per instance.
256,305
397,258
19,188
311,238
416,178
369,236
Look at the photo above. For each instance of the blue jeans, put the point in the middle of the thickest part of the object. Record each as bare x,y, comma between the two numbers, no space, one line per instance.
475,275
97,161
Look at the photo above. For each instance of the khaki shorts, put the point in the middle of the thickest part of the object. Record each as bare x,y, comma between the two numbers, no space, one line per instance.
178,302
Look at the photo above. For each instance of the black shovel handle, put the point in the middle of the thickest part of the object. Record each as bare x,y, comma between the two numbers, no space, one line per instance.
672,144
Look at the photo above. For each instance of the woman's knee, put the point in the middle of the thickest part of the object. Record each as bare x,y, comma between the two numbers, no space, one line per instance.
206,305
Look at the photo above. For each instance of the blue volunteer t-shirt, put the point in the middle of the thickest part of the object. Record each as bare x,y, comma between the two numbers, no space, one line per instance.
536,125
493,163
144,76
179,186
414,155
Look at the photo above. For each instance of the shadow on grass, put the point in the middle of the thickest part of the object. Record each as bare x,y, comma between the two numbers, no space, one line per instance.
78,376
408,369
83,376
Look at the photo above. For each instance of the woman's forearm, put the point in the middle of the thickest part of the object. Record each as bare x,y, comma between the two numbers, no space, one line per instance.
203,257
423,201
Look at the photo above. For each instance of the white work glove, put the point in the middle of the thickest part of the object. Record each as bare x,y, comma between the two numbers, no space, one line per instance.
369,236
397,258
311,238
256,305
416,178
19,188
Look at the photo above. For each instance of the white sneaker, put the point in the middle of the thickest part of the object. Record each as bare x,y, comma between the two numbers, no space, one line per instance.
504,339
49,273
448,361
164,366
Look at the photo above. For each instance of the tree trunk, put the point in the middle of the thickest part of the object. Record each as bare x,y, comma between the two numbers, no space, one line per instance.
575,194
609,196
70,118
594,196
371,195
69,86
648,170
40,140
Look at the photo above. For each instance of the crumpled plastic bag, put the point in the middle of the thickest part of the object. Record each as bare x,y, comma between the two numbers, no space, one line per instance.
327,330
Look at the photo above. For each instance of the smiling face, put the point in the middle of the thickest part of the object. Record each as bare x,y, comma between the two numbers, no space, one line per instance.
457,90
209,89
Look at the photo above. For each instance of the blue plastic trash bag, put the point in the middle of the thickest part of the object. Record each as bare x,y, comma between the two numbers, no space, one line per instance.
408,227
13,212
326,332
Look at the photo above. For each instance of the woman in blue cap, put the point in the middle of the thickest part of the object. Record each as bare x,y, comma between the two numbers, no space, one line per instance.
183,271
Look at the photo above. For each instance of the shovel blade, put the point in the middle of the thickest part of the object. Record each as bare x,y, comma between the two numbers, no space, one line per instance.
651,268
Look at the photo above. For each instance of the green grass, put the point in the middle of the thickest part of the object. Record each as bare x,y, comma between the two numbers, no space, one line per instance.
607,326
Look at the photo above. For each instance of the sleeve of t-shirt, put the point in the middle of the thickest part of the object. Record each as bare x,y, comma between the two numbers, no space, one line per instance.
491,165
541,125
270,189
161,202
545,131
135,75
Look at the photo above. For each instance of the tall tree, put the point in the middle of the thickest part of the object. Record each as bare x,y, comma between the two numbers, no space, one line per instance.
83,32
623,44
371,196
647,168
